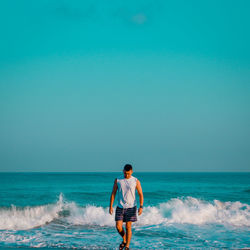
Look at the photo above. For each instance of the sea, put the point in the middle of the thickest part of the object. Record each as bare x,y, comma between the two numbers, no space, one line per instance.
70,211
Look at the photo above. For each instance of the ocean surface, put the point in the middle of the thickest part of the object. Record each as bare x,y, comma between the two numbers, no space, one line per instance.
70,210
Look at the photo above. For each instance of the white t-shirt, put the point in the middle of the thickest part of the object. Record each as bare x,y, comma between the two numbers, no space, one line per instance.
126,192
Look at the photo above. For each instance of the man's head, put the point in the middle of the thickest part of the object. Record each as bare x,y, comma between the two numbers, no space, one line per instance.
127,171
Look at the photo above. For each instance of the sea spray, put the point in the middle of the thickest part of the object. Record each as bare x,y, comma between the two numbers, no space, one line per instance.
187,210
29,217
90,215
195,211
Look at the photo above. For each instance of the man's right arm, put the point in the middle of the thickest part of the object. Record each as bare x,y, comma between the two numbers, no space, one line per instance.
112,197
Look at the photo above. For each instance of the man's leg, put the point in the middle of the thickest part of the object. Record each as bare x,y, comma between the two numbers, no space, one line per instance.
120,229
128,232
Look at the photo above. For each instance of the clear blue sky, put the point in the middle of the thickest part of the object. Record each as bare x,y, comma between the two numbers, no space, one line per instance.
92,85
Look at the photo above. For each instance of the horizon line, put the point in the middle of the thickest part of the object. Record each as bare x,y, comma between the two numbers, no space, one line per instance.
121,171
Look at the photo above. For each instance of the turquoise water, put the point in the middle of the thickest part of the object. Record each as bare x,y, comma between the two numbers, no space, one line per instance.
70,210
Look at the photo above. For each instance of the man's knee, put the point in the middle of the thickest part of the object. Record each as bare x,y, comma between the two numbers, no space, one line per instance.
128,226
119,227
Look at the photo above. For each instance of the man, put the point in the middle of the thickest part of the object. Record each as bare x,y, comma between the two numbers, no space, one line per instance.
126,208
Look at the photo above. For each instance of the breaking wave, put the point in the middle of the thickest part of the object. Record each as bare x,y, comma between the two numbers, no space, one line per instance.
29,217
198,212
187,210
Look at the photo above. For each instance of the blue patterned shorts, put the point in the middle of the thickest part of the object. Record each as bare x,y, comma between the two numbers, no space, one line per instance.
126,214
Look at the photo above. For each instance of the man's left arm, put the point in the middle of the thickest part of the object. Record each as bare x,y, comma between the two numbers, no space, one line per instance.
139,190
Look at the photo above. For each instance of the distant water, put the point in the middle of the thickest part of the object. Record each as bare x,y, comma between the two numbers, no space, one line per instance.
70,210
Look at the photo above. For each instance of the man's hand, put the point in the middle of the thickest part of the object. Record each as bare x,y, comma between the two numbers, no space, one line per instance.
140,211
111,210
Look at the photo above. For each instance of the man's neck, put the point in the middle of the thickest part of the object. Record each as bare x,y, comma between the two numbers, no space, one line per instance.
128,178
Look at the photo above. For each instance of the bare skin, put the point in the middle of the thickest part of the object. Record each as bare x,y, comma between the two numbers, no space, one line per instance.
126,236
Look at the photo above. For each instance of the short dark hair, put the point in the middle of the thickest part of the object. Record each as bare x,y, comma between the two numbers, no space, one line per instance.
127,167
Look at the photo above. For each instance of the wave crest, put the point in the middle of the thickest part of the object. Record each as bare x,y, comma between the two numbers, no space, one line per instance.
178,210
194,211
29,217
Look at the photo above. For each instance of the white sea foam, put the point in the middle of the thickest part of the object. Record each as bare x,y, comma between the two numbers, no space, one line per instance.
29,217
89,215
194,211
187,210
